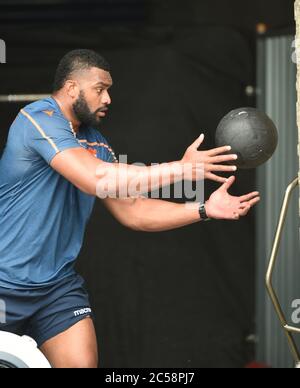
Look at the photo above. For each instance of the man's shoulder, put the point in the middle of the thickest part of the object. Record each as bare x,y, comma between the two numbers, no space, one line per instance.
45,110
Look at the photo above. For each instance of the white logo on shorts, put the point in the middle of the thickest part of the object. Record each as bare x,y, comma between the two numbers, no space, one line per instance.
82,312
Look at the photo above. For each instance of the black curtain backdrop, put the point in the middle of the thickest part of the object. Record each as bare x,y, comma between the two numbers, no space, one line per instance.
178,299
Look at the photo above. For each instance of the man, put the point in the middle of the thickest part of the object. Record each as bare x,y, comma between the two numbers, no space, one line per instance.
54,165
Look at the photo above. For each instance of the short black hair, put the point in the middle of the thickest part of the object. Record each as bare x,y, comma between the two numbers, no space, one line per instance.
74,61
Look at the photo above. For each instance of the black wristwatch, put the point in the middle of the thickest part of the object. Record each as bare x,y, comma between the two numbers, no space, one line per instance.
202,212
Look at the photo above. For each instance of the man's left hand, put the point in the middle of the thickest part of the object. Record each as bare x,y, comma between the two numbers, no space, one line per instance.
223,206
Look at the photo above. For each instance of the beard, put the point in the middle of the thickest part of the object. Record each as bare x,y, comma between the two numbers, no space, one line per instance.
84,114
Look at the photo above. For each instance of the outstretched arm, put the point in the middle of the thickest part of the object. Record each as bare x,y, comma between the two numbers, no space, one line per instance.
152,215
96,177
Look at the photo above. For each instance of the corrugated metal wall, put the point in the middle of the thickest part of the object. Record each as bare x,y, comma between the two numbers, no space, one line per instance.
277,96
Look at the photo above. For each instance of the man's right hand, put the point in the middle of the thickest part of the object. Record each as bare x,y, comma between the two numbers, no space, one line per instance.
211,160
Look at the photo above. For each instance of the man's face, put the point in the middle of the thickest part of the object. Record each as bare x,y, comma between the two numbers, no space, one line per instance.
93,99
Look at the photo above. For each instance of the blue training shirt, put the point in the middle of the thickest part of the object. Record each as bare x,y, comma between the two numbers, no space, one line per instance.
42,215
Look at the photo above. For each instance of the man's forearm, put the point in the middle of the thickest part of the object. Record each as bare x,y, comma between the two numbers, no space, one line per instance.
123,180
152,215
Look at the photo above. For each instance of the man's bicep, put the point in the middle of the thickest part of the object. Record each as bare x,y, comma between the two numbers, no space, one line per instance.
79,167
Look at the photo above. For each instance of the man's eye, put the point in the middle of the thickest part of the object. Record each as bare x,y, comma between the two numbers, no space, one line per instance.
99,91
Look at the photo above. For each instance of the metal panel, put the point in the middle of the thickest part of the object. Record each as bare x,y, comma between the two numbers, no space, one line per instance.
277,96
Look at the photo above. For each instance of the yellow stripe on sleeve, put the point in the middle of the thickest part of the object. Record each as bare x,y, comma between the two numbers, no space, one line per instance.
51,142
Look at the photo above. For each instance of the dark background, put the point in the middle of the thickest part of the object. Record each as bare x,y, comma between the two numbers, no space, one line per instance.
183,298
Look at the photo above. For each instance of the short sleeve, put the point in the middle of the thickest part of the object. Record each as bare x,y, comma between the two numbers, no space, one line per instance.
48,135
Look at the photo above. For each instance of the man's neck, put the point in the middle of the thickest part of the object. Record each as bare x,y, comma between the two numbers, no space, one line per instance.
67,111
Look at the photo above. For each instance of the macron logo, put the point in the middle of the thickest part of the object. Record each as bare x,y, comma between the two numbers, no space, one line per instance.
82,312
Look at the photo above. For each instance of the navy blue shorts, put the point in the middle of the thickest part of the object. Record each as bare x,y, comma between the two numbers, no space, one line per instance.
43,313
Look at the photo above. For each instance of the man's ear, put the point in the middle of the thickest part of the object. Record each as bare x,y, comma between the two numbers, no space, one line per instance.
72,89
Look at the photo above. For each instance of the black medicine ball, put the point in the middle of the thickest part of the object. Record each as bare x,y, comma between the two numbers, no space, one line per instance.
251,134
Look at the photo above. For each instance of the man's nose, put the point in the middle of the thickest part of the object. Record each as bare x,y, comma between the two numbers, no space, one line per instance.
106,98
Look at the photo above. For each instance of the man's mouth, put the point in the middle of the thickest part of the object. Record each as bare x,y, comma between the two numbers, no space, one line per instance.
102,112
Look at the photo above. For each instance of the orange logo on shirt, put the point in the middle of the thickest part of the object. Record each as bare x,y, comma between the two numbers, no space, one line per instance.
93,152
49,112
